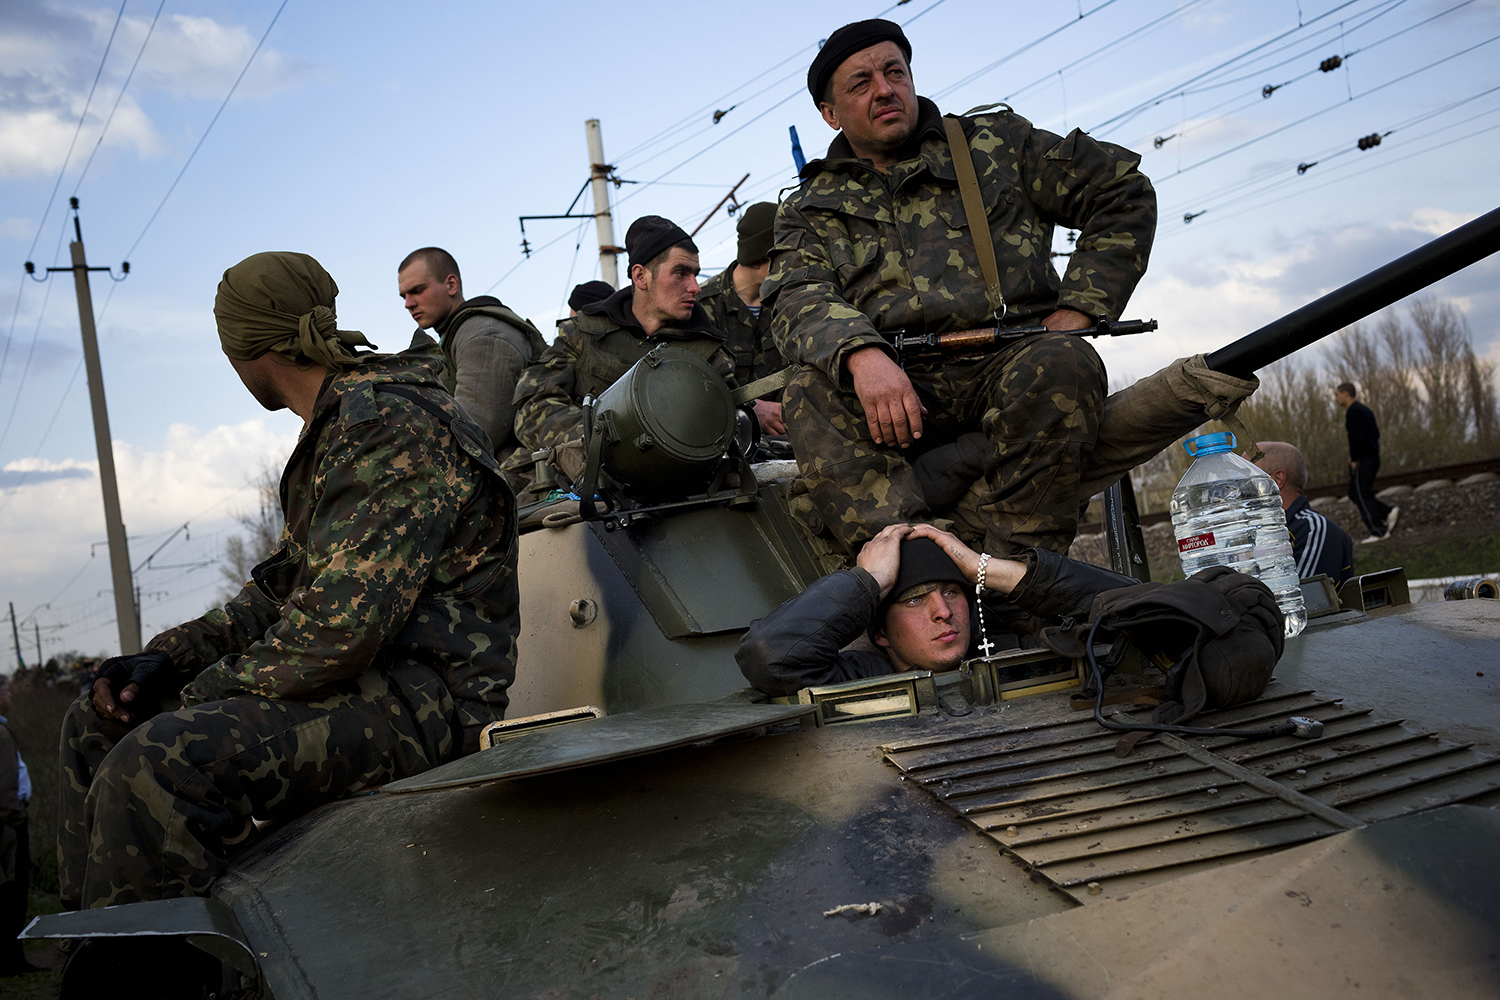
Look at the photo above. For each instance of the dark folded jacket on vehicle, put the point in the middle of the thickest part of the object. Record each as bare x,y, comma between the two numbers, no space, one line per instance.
801,644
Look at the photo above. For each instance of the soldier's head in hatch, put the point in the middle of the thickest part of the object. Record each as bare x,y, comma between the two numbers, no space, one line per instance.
430,286
664,270
861,82
923,623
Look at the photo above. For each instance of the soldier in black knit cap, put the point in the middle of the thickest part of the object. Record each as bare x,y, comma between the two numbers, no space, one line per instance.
606,337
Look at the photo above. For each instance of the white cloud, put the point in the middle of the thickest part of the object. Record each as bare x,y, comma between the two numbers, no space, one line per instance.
49,54
194,474
17,228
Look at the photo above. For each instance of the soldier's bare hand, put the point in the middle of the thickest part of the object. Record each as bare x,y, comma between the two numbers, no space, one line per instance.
105,703
770,417
1000,575
881,556
892,408
1067,319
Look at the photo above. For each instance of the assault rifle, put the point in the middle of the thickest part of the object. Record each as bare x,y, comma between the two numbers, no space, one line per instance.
918,346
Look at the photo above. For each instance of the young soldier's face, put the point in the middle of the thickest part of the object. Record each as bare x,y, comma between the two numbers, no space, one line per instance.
927,632
874,99
670,293
429,300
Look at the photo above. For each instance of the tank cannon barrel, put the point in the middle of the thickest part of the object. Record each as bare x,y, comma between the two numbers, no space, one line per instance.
1425,265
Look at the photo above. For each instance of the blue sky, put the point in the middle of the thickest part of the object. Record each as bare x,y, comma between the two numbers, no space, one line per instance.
360,132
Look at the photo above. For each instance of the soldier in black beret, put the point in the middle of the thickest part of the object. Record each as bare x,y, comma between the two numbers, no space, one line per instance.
878,239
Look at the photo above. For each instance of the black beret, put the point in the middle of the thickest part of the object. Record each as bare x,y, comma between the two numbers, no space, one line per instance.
589,291
651,235
846,41
755,228
922,561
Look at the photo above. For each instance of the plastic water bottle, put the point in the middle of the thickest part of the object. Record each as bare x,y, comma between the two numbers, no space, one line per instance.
1227,512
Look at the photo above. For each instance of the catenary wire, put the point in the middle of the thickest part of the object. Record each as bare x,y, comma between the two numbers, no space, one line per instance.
81,118
1016,52
206,131
119,97
1114,122
1306,118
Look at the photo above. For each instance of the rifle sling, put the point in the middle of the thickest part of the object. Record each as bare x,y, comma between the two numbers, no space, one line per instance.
979,223
763,386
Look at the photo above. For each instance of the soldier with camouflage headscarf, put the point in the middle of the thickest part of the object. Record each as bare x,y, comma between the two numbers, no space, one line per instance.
877,240
376,643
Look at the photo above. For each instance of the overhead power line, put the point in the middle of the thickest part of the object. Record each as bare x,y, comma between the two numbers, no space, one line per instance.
1109,124
1024,48
120,96
206,131
90,100
1307,118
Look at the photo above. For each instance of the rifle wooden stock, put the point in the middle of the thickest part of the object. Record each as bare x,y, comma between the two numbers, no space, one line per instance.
957,343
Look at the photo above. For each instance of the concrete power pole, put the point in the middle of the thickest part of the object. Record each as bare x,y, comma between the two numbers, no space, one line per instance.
16,635
114,526
599,177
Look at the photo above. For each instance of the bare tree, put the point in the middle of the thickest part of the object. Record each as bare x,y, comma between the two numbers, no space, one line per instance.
263,525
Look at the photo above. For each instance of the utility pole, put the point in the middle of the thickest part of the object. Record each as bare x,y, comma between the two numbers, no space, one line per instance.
599,172
16,635
734,205
38,626
114,526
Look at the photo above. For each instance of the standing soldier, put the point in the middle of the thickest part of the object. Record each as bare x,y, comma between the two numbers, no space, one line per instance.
376,643
878,239
732,300
597,346
1364,464
486,345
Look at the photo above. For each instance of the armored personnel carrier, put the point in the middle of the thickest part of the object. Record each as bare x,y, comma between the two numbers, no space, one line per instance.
643,826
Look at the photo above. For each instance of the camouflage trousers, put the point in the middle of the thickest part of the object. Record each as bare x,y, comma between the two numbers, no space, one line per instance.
1038,402
157,811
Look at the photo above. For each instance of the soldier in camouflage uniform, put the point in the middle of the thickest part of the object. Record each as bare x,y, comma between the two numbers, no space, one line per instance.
732,300
375,644
876,239
606,338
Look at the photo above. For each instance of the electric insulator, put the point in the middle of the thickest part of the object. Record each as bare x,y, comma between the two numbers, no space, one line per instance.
1303,168
1270,89
30,267
125,267
1190,216
1331,63
1161,140
1370,141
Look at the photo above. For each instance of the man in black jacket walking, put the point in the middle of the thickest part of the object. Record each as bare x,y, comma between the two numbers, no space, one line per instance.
1364,463
911,593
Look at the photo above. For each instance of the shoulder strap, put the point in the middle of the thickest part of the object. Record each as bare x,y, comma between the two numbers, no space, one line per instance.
509,316
463,429
979,223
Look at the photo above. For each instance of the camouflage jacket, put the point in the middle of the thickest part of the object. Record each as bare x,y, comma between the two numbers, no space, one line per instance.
591,351
398,556
486,347
859,252
747,335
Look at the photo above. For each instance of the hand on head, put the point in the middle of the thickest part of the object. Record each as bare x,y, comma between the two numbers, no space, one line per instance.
881,556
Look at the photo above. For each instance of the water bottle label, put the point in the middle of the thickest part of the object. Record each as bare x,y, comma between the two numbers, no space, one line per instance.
1194,542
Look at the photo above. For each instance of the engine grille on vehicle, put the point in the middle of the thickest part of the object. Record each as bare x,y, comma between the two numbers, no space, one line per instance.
1056,796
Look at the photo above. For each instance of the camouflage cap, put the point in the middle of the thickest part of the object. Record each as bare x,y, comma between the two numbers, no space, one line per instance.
283,302
846,41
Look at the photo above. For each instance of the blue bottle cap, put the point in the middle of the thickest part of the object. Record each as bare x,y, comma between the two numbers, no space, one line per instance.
1209,444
